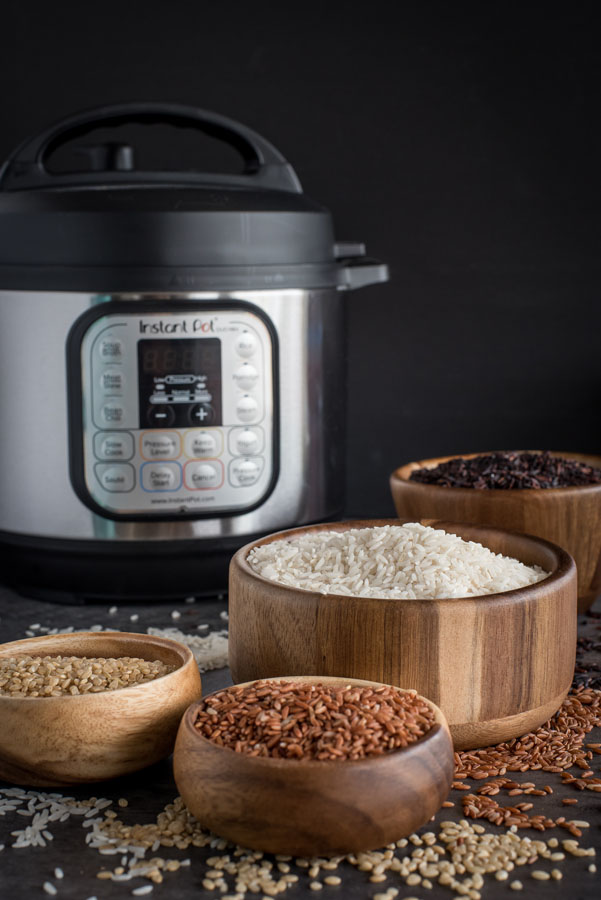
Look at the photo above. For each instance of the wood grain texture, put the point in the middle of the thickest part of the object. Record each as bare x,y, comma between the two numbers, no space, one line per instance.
570,517
313,807
53,741
496,665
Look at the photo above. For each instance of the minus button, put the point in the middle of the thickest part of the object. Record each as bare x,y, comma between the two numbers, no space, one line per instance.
160,415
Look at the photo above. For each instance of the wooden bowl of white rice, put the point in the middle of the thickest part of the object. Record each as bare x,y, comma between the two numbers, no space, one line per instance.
479,620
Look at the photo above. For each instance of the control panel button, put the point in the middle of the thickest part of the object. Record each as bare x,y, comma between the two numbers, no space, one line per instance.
246,344
112,414
203,476
110,349
111,381
247,408
117,479
161,477
246,376
246,441
202,414
160,415
203,443
113,445
160,445
244,472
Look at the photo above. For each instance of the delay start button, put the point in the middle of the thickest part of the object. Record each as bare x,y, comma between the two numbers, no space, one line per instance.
161,476
117,479
203,476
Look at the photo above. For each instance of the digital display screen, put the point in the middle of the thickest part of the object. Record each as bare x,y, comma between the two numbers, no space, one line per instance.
179,382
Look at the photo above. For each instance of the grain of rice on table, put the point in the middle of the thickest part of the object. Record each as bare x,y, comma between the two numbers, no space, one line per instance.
54,676
404,562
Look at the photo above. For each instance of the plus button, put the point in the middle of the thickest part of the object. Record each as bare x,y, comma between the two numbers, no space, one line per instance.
201,414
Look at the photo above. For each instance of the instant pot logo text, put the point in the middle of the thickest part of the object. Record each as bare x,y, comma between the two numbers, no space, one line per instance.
184,326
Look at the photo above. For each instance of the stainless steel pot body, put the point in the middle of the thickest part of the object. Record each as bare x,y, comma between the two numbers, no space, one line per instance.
38,497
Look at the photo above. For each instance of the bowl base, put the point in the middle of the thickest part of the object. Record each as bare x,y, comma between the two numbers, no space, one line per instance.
474,735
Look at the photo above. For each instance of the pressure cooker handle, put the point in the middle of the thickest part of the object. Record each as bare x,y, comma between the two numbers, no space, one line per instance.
265,167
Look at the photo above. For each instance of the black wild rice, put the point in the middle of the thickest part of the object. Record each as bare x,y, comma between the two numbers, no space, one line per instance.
509,471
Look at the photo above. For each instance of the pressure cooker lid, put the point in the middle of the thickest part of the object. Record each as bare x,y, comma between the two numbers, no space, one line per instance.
116,228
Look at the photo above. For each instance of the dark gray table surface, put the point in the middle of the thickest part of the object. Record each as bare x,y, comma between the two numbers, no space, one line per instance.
23,871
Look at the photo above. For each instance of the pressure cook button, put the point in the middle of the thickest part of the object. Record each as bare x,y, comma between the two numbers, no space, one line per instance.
111,380
110,349
246,441
247,408
166,477
203,476
246,344
202,414
201,443
244,472
116,479
246,376
112,414
113,445
160,445
160,416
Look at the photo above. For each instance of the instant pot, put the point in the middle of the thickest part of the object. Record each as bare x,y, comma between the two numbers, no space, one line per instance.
172,348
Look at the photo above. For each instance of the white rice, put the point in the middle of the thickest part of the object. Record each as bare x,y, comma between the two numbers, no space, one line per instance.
401,562
210,651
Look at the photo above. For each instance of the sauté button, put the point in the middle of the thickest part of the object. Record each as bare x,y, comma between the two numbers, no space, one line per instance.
247,408
116,479
246,344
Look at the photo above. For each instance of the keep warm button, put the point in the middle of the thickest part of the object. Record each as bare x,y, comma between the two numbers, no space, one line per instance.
117,479
203,476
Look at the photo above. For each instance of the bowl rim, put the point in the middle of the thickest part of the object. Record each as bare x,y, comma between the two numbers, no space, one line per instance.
398,476
186,655
244,759
566,567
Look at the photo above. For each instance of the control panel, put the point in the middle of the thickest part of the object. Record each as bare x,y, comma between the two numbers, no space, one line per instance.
178,411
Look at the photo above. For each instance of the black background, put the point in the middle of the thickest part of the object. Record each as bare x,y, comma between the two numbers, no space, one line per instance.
460,142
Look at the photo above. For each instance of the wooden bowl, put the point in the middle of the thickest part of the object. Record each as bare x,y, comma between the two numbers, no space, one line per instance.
311,807
570,517
497,665
48,741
